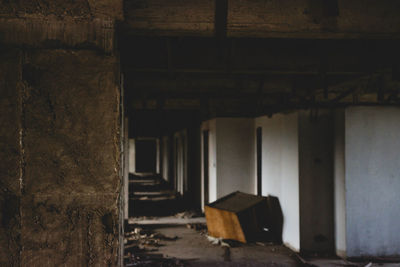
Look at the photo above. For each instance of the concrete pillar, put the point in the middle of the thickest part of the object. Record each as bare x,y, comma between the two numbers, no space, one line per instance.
132,156
60,176
12,158
211,189
280,170
297,167
126,168
372,182
340,184
158,156
316,142
231,156
165,157
180,161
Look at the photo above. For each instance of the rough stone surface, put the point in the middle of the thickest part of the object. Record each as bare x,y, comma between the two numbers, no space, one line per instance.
60,142
71,178
47,32
10,158
74,8
60,24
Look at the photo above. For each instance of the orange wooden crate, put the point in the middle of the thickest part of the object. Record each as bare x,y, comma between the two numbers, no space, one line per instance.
237,216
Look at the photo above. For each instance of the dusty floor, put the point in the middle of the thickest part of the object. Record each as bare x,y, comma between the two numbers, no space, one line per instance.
189,247
174,237
179,245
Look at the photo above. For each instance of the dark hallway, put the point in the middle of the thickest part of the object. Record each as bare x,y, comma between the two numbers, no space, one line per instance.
164,133
151,195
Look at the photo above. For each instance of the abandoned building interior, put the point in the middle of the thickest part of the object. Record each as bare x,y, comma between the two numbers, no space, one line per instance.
121,112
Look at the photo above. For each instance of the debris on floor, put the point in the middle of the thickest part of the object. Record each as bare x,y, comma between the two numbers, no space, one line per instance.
146,238
140,245
188,214
200,227
217,241
154,260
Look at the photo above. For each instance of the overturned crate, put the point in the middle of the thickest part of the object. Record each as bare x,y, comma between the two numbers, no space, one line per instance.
237,216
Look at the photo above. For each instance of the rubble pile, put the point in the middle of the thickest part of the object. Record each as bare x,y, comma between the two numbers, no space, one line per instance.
141,245
199,227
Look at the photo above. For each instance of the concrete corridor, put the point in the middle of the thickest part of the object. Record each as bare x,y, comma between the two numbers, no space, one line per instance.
151,195
296,100
163,232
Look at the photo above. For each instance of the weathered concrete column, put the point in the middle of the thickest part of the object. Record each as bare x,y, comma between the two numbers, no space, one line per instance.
61,151
71,147
280,170
371,182
60,139
297,167
11,157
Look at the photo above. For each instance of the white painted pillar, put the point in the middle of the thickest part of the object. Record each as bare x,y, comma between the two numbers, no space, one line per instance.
165,157
339,185
132,156
158,156
126,169
372,181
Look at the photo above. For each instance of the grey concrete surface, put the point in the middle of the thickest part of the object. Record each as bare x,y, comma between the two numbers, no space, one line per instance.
372,181
198,251
316,181
339,185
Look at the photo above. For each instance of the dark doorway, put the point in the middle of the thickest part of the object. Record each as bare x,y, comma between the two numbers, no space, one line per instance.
176,164
259,161
146,155
205,165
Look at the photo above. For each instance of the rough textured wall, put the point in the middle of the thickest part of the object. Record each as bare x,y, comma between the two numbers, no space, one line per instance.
10,158
63,8
57,24
61,139
316,143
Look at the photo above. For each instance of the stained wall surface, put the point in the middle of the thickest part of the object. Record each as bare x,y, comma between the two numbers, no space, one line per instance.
10,154
372,161
63,189
316,143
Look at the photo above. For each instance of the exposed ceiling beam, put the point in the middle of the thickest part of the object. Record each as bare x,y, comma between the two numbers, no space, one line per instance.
316,19
240,72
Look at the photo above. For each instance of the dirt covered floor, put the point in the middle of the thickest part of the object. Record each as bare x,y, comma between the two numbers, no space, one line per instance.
173,241
189,245
164,233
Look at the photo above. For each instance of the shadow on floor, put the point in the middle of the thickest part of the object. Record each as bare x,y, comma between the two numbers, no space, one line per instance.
151,195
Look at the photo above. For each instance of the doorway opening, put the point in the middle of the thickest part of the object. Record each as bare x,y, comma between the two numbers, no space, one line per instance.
205,166
259,160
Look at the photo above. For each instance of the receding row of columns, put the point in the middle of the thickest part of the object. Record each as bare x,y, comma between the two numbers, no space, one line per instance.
335,173
170,158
